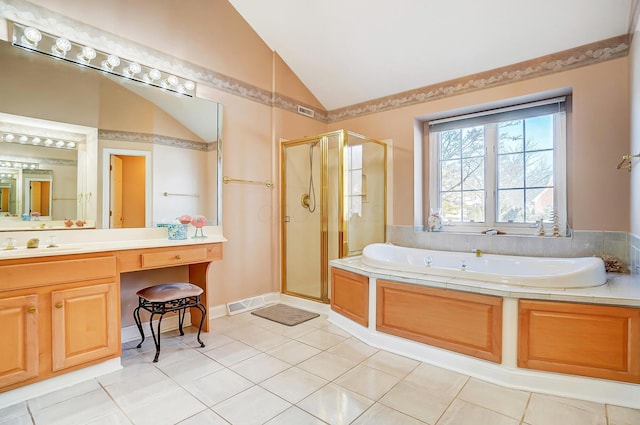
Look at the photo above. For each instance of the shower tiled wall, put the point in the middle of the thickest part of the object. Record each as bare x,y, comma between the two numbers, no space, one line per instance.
621,245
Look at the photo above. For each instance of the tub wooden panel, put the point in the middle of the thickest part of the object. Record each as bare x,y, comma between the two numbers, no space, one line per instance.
580,339
459,321
350,295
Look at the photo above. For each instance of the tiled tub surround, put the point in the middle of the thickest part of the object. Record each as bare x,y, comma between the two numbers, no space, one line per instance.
580,244
620,290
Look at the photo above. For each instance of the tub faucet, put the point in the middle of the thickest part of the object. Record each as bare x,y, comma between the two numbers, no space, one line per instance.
478,252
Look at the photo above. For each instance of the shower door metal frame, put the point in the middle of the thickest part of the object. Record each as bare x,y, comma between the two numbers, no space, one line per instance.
324,198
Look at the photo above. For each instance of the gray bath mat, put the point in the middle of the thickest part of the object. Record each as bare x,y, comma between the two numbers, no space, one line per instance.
285,314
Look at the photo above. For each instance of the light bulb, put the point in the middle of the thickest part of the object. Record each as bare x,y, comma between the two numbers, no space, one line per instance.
48,142
31,37
71,145
36,141
189,85
59,144
61,47
152,75
87,54
8,138
23,139
133,69
111,62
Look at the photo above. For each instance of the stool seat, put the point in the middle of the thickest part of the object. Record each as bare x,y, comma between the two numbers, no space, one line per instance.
169,292
168,298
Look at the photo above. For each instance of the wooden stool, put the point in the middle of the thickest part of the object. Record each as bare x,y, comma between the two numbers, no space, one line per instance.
166,298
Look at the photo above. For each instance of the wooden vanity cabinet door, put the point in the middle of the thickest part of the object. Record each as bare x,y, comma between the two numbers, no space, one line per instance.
85,324
19,326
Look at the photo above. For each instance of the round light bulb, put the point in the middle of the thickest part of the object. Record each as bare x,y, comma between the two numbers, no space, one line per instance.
111,62
31,36
9,138
61,47
34,141
71,145
152,75
189,85
23,139
48,142
133,69
87,54
59,144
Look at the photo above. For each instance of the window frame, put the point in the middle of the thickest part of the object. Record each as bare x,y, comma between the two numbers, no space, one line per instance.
490,173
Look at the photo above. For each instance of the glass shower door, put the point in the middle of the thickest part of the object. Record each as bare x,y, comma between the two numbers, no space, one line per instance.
302,177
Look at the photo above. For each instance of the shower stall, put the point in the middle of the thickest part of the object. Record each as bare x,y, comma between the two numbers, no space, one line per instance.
334,204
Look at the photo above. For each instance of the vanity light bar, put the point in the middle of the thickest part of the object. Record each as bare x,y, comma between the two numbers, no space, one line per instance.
19,165
31,140
33,39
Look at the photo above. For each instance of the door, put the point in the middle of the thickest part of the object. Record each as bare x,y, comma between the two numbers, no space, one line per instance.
19,359
115,196
85,324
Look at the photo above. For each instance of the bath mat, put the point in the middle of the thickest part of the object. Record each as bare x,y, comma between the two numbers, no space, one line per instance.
285,314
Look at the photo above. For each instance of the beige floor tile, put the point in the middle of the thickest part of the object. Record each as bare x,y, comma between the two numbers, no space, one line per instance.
367,381
321,339
503,400
208,417
184,372
416,401
391,363
218,386
295,416
232,353
254,406
116,418
64,394
437,380
353,349
294,384
265,340
623,415
326,365
260,367
16,420
135,390
335,405
166,409
293,352
544,410
293,332
12,414
463,413
380,414
81,409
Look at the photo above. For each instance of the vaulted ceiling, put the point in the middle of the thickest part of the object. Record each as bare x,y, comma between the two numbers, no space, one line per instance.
351,51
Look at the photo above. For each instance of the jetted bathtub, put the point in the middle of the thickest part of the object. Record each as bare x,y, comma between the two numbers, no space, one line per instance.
538,272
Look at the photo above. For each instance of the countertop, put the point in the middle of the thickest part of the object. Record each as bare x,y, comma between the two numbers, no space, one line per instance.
620,289
98,240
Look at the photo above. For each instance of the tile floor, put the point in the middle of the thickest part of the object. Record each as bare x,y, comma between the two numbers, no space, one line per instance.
254,371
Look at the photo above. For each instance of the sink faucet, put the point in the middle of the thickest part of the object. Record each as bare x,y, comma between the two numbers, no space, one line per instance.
478,252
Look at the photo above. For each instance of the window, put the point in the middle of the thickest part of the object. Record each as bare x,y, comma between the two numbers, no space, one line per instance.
500,168
356,190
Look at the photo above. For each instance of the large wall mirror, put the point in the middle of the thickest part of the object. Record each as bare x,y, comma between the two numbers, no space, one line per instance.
63,130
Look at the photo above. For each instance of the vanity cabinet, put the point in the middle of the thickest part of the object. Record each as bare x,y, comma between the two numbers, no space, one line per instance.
57,314
19,328
581,339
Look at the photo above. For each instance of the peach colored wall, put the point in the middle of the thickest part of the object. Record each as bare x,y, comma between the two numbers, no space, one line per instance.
598,193
634,67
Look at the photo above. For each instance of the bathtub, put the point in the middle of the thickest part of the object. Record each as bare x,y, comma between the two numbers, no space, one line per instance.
537,272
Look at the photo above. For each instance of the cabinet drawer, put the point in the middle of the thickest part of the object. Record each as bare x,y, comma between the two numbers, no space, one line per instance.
43,273
168,258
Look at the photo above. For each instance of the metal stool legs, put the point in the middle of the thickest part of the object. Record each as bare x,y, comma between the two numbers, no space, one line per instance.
160,308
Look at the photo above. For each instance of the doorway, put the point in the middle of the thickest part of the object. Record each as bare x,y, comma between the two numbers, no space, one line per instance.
333,203
126,189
